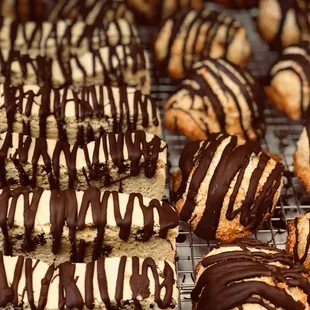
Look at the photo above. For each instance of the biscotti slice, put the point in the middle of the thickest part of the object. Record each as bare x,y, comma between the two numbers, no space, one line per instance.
128,162
56,226
249,274
192,35
111,283
287,84
70,115
225,187
63,37
114,65
217,96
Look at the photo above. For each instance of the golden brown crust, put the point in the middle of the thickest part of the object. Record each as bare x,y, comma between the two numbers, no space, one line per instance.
291,238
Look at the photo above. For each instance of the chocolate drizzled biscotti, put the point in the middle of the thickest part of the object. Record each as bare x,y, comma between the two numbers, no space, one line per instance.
56,226
287,84
128,162
225,188
113,65
63,37
216,96
111,283
302,157
69,115
156,11
298,239
282,23
192,35
249,274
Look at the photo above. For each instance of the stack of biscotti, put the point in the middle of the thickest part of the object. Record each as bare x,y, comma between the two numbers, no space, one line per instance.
70,115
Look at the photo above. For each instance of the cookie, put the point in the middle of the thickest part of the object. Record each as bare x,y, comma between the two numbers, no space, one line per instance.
123,283
249,274
69,115
127,162
193,35
216,96
287,83
225,188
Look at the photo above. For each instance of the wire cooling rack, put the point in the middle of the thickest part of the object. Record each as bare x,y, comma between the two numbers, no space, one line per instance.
281,137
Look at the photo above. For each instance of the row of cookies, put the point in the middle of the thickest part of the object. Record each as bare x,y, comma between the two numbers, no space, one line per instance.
80,152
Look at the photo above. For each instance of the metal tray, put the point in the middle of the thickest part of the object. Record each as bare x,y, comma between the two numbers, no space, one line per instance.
281,137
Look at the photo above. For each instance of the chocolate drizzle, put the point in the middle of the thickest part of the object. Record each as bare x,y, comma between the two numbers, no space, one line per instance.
111,105
64,210
196,85
108,147
197,157
227,279
70,295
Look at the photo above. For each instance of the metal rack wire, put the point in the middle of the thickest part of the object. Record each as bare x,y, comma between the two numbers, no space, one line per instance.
281,137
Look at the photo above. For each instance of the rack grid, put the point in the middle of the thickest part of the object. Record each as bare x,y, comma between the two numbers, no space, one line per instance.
281,137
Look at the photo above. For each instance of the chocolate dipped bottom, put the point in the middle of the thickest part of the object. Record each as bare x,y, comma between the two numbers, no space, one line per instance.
217,96
238,4
193,35
111,283
225,188
249,274
123,161
56,226
287,84
69,115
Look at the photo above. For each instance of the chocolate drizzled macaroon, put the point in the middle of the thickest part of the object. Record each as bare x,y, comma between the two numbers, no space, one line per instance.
225,188
238,4
155,11
249,274
56,226
302,157
111,283
113,65
282,23
128,162
287,84
69,115
192,35
216,96
298,239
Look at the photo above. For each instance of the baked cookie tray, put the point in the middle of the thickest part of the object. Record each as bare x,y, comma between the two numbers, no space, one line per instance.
281,137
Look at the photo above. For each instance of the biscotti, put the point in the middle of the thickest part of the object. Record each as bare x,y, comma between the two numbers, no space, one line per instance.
249,274
156,11
192,35
111,283
298,239
287,84
56,226
302,157
225,188
112,65
283,23
63,37
128,162
70,115
216,96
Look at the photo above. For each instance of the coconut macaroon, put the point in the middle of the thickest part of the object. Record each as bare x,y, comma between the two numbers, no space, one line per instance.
282,23
192,35
111,283
71,115
249,274
156,11
287,84
298,239
225,188
216,96
56,226
302,157
128,162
